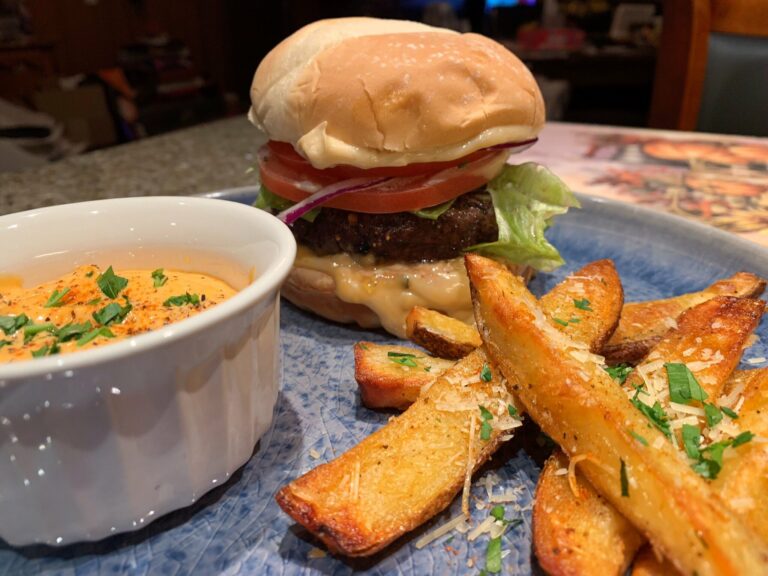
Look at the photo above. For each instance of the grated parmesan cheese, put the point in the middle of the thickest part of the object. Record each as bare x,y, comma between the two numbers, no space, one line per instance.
314,454
441,530
316,553
758,360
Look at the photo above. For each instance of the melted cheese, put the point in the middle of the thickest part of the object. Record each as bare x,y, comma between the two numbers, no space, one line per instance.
391,290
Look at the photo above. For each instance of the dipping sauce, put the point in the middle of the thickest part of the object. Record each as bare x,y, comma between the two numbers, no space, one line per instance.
93,307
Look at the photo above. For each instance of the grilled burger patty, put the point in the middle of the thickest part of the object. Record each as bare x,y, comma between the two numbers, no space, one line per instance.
402,236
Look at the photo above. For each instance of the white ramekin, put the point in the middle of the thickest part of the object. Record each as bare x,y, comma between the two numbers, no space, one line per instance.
107,440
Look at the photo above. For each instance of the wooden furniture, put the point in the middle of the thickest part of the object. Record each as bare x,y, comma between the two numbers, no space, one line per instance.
24,67
683,53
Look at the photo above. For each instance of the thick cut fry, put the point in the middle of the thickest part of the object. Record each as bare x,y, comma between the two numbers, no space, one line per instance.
441,335
413,467
574,301
709,338
590,299
647,563
393,376
578,535
743,481
409,470
574,401
643,324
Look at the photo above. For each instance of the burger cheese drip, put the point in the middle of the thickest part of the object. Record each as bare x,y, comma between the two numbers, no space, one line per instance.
92,307
392,290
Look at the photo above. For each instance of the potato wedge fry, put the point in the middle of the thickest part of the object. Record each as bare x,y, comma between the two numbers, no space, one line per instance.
566,390
413,467
743,481
393,376
643,324
596,284
441,335
407,471
577,298
578,535
648,564
709,339
714,330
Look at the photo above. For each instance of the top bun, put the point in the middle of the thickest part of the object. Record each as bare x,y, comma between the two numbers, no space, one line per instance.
368,93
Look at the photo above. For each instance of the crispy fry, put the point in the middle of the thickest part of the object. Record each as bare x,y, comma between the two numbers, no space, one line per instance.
643,324
647,563
393,376
596,284
713,353
584,535
574,401
441,335
406,472
743,482
578,297
412,468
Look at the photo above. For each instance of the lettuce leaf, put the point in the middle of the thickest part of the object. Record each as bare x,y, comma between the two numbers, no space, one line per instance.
267,200
526,198
434,212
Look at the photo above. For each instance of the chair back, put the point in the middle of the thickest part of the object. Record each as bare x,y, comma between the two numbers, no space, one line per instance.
712,71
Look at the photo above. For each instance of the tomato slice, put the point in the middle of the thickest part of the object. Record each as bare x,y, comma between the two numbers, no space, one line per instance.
285,177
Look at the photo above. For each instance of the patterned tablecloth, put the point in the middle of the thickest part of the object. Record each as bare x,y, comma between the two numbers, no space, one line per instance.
721,180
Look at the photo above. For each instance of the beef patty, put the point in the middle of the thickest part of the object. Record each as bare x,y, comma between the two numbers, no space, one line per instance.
402,236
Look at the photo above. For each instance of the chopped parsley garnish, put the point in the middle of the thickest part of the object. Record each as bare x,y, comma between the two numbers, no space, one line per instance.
691,440
560,321
712,414
655,414
112,313
493,556
46,350
110,283
485,373
89,274
710,459
403,359
624,480
574,320
427,368
182,299
730,413
498,512
512,411
683,386
5,343
32,330
93,302
638,437
620,372
159,278
10,324
95,333
362,345
582,304
72,331
742,438
485,427
56,299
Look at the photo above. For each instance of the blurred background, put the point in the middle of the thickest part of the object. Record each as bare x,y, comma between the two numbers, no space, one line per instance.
77,75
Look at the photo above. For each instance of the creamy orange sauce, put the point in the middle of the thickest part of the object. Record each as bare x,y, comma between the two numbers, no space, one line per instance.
74,313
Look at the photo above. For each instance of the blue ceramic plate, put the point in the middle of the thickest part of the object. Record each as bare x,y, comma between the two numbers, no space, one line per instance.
238,528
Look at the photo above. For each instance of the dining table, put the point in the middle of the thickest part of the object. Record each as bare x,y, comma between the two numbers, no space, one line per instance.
716,180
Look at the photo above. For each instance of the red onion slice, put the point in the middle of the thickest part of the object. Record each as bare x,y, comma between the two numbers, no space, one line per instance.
514,147
290,215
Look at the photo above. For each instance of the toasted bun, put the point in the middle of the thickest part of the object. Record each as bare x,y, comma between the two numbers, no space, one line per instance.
368,92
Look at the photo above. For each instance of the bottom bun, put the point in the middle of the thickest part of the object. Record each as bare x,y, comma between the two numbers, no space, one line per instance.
315,291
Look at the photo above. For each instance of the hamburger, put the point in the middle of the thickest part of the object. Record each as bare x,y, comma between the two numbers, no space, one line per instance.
387,155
